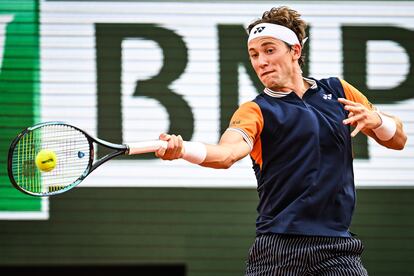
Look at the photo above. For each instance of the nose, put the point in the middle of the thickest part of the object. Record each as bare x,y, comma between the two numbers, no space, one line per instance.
262,61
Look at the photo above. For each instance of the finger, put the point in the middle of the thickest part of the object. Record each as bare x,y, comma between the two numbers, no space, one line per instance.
180,146
345,101
356,130
358,108
170,147
350,115
160,152
355,118
176,146
164,137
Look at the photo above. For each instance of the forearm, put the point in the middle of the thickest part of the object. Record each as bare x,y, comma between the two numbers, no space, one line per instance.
220,156
397,141
231,148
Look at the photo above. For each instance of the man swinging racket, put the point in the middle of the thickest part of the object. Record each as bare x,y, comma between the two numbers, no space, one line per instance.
297,132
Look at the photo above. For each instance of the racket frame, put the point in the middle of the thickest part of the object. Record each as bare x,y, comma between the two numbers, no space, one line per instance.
119,149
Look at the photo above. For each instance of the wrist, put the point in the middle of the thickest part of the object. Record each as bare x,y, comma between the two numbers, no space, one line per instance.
194,152
387,128
379,119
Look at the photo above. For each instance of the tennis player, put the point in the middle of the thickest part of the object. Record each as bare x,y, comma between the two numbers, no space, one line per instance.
297,132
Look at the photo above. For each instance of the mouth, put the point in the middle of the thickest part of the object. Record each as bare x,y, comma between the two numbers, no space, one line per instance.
266,73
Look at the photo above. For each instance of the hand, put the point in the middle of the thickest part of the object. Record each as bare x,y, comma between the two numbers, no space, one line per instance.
360,116
174,149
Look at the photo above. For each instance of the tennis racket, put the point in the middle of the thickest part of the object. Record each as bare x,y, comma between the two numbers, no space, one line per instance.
53,157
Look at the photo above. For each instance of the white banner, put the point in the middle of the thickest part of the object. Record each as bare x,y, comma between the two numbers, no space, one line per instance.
69,79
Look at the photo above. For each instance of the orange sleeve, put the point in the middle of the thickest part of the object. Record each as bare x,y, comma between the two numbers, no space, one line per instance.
248,119
353,94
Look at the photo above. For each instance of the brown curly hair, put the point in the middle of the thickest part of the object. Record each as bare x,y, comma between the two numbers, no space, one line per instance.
286,17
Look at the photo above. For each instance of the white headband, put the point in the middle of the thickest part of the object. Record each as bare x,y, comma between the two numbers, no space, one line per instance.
274,30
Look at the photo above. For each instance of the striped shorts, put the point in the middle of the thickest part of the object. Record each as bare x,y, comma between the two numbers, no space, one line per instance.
288,255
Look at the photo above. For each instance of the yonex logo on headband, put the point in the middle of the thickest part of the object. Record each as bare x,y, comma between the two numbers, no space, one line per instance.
276,31
259,30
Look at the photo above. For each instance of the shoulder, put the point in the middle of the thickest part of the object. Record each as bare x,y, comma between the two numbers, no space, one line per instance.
250,107
247,113
332,82
331,85
345,90
353,94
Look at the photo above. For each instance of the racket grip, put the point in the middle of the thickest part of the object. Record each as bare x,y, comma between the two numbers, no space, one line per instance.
146,146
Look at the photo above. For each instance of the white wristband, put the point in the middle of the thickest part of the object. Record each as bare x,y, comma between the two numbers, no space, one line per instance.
387,128
194,152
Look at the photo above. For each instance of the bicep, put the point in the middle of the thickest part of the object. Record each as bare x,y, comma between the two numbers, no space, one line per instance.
231,148
236,142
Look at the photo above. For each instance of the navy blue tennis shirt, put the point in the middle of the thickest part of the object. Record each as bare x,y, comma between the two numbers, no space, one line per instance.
302,158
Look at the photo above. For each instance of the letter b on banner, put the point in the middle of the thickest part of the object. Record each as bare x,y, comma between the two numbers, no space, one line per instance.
109,39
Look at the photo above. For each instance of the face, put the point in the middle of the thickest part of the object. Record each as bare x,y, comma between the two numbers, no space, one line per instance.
274,62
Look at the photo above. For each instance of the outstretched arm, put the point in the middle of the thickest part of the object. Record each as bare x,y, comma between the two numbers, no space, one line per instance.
231,148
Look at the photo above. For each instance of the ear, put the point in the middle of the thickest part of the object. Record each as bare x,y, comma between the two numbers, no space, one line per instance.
296,51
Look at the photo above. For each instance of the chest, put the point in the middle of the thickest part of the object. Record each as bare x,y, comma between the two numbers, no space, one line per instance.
317,117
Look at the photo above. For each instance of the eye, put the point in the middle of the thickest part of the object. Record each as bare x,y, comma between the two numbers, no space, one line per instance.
254,55
270,50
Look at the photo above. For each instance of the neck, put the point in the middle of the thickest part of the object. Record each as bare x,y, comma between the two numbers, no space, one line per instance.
301,87
297,85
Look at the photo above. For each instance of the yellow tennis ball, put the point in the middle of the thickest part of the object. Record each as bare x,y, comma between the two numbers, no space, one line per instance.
46,160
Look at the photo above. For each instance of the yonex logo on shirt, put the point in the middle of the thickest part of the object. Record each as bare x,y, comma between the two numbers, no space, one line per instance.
259,29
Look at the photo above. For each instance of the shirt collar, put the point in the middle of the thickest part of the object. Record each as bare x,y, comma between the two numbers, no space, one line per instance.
280,94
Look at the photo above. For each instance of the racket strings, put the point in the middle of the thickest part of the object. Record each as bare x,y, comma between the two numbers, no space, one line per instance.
72,151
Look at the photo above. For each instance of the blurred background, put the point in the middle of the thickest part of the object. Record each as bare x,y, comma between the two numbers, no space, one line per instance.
126,71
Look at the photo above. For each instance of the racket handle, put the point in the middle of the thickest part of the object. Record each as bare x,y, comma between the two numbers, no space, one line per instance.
146,146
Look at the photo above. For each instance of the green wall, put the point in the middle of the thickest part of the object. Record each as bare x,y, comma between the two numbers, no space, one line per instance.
19,90
208,230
